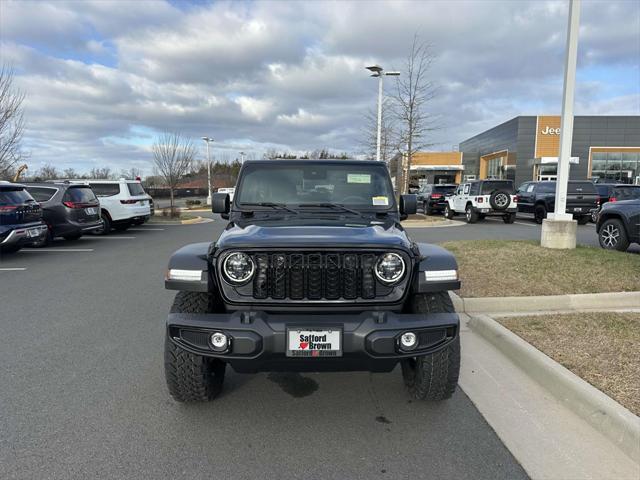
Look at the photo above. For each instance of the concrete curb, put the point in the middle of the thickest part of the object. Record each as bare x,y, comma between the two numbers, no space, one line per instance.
603,413
422,224
587,301
193,221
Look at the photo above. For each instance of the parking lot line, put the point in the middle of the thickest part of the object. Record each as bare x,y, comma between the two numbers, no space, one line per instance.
44,250
110,237
146,229
13,269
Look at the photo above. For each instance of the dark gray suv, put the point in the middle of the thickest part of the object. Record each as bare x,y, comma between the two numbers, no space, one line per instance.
69,209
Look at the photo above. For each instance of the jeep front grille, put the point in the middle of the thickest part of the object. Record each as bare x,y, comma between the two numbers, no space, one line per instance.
315,276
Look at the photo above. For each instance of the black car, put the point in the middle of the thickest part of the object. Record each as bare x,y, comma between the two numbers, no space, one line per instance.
313,273
69,209
612,192
20,218
433,198
619,224
539,198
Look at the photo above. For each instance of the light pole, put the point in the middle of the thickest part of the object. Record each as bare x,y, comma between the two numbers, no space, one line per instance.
559,229
379,72
242,157
207,141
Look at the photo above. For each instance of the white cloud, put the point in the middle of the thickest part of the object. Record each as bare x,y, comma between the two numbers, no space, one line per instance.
253,73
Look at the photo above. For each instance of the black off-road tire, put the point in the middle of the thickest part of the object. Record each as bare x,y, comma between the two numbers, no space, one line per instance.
509,218
190,377
433,377
540,213
470,214
448,212
583,219
613,236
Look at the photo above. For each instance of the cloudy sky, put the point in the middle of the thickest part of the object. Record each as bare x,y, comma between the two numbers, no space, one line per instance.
102,78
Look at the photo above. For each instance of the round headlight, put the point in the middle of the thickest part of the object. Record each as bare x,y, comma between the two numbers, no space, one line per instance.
238,267
389,268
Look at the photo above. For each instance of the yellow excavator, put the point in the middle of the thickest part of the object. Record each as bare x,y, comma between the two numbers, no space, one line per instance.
21,169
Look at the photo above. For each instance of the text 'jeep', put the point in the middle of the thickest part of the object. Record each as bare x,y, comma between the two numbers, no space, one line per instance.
313,273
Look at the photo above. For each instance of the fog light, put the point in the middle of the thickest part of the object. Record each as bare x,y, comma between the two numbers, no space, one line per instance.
408,340
219,341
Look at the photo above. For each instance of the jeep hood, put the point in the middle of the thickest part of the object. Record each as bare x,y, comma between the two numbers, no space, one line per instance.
269,236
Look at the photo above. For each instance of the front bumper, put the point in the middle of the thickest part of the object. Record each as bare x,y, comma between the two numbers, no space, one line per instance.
258,339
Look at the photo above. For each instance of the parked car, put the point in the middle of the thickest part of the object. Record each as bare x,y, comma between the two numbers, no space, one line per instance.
539,198
295,283
20,218
69,210
433,198
122,203
619,224
611,192
480,198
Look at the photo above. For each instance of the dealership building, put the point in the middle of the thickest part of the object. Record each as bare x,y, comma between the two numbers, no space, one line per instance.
604,149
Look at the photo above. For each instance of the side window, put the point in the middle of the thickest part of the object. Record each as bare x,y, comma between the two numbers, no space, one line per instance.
41,194
474,188
105,189
466,189
531,187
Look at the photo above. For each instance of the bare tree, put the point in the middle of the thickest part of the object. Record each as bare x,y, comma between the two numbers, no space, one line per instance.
413,94
389,138
172,155
100,173
131,173
47,172
11,122
70,173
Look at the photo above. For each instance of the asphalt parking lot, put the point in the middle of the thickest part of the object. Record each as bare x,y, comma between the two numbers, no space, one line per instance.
84,397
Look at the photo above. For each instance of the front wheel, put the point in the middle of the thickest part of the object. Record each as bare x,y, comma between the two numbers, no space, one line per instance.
583,219
613,236
190,377
435,376
106,225
540,213
427,209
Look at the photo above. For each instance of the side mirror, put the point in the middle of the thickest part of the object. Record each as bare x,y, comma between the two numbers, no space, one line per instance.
408,206
221,204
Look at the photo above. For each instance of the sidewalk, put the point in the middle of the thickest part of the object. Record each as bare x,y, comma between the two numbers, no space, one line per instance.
530,421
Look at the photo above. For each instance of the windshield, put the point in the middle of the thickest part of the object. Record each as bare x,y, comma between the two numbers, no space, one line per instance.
365,186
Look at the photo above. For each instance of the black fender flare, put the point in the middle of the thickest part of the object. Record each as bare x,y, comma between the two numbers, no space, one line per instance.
189,259
433,258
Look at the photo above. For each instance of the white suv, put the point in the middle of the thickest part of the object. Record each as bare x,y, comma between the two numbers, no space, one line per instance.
122,203
481,198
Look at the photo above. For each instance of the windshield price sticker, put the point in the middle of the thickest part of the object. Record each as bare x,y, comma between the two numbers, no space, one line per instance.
380,201
358,178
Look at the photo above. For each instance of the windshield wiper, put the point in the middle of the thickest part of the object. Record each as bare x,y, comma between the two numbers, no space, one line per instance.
281,206
330,205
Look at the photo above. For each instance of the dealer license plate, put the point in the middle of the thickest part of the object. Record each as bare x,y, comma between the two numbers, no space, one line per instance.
90,211
34,232
314,342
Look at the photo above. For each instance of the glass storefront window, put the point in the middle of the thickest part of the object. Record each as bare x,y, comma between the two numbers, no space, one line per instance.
615,167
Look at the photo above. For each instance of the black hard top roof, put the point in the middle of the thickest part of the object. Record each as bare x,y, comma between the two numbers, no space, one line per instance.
314,161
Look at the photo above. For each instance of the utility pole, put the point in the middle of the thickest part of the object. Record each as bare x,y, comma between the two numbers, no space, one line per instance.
379,72
242,157
559,229
207,141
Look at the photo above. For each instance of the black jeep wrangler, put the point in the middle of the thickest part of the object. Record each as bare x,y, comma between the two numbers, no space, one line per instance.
313,273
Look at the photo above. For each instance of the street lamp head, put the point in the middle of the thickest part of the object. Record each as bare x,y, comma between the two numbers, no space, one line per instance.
392,74
375,68
207,139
